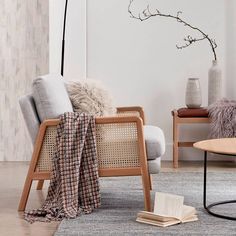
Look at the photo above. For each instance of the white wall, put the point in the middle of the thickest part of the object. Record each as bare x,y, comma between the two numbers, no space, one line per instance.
139,60
231,48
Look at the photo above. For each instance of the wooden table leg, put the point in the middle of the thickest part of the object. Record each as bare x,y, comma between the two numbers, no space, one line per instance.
175,140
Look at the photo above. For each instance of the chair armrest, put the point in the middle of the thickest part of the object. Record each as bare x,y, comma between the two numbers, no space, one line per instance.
132,109
101,120
51,122
119,119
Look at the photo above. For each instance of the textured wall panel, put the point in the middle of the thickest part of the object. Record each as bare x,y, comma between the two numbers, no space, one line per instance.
24,27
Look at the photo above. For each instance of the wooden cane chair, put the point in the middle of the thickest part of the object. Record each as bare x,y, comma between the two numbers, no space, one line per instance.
120,148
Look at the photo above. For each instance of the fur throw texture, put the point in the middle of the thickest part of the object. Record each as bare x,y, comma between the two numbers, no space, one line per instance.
223,115
89,96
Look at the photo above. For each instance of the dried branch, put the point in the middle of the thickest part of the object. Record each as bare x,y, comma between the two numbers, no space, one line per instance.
189,40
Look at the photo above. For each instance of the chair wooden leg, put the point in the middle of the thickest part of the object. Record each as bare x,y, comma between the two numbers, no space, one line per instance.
25,193
33,164
146,191
144,166
40,185
150,182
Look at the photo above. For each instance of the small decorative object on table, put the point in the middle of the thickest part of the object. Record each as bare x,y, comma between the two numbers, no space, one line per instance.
214,83
193,98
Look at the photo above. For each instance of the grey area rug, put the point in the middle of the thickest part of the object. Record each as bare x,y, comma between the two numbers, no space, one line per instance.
122,198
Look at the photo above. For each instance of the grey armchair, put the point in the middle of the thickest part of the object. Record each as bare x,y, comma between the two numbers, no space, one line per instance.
125,145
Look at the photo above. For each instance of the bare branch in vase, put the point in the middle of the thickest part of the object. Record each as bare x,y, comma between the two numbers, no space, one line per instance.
189,40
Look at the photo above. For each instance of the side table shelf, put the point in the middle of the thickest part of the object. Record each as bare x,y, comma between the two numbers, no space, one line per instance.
176,122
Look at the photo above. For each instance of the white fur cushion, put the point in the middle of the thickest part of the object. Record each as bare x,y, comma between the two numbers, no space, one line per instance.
89,96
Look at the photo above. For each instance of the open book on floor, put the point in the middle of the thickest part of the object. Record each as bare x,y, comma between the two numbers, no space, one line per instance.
169,210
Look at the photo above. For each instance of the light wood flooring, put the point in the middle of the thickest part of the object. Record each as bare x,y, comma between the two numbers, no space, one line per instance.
12,176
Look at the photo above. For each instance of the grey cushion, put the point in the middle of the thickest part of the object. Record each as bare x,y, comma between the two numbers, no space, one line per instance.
51,97
30,115
155,142
154,166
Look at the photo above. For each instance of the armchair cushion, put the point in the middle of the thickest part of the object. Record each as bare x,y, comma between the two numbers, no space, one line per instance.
154,166
50,96
155,142
90,96
30,116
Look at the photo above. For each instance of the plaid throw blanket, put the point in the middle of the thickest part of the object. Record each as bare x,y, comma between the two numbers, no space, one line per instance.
74,187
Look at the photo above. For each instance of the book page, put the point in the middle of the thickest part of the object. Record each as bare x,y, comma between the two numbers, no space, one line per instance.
187,212
168,205
157,223
190,219
152,216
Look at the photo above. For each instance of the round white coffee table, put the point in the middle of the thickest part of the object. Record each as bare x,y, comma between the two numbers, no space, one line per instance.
226,146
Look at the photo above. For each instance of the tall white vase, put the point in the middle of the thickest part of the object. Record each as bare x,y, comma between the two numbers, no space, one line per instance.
214,83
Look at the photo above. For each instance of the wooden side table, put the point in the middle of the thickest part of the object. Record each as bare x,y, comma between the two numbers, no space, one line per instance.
185,116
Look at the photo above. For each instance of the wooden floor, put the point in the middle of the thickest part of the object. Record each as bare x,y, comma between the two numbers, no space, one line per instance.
12,175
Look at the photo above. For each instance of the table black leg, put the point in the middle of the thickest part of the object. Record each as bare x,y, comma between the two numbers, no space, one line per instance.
205,180
216,203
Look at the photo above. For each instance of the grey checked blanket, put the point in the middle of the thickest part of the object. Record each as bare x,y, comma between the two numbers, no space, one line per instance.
74,187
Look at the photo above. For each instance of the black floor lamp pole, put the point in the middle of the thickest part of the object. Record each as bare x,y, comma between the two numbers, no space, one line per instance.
63,40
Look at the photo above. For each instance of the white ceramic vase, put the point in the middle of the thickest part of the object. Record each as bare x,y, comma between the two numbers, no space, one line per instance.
193,98
214,83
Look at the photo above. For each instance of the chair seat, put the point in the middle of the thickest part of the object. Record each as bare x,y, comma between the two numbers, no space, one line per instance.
154,166
188,113
155,142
